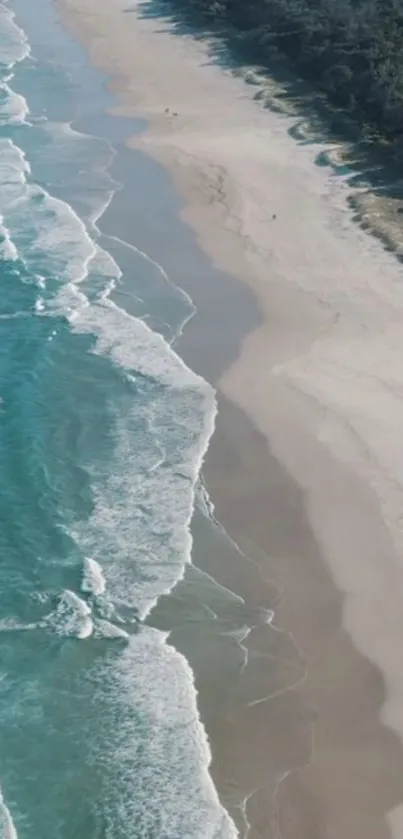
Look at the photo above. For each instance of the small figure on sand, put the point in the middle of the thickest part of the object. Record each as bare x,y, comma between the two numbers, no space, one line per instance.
274,216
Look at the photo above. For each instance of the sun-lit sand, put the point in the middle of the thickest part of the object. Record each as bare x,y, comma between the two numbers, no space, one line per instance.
321,378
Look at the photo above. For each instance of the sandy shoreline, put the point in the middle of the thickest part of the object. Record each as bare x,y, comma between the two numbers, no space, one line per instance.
321,382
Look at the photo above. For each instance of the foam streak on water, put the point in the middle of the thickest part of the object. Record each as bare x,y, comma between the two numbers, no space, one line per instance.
7,828
14,46
93,577
103,436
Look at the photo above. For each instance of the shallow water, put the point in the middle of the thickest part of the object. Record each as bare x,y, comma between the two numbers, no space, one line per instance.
102,434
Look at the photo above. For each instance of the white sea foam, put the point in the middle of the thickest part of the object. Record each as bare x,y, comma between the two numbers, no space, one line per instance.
93,581
7,829
180,422
139,531
75,617
14,625
106,629
71,617
152,683
143,508
49,236
13,179
13,107
14,46
7,247
60,235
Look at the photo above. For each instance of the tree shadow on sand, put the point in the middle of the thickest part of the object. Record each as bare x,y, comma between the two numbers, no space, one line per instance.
347,148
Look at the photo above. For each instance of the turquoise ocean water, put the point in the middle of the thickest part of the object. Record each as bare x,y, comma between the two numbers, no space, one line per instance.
102,433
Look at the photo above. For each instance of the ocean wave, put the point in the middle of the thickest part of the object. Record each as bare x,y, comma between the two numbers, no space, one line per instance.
140,524
143,505
14,45
71,617
39,305
13,107
14,169
47,234
168,735
76,617
137,538
8,250
93,581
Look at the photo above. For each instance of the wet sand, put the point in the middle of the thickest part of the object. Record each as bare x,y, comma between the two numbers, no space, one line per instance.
305,466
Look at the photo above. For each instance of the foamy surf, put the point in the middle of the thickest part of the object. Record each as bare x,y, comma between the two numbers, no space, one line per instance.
14,46
7,246
106,629
74,617
93,581
13,106
123,500
149,533
7,829
71,617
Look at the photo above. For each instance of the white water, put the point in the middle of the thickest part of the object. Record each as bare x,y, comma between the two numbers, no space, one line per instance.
137,541
93,577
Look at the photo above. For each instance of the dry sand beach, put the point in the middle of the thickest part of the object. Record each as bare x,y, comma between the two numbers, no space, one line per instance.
306,467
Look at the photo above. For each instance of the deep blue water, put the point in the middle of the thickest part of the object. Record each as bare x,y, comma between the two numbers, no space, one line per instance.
102,432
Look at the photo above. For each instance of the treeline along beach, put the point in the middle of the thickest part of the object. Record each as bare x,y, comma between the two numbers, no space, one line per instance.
352,50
